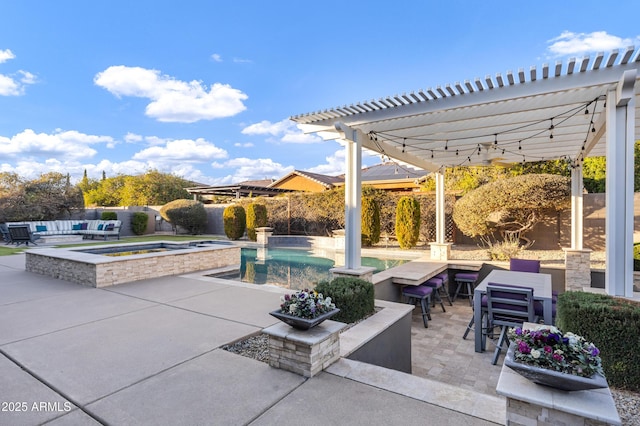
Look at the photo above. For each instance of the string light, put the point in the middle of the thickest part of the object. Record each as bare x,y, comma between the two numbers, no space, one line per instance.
562,117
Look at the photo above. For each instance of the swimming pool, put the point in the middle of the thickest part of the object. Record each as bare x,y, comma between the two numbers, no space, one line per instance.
294,268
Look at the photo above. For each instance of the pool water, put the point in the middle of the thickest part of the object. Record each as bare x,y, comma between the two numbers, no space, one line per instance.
293,268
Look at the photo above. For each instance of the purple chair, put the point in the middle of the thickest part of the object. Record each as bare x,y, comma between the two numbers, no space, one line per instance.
437,284
524,265
467,280
422,294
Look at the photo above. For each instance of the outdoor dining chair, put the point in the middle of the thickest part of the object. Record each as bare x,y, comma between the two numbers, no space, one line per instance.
508,307
524,265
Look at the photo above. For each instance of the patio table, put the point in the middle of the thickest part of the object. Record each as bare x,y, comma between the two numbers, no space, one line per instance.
542,291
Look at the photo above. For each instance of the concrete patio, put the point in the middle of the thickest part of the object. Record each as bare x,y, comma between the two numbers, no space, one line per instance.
149,353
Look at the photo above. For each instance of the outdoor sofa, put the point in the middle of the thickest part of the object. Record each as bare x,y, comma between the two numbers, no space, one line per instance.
101,228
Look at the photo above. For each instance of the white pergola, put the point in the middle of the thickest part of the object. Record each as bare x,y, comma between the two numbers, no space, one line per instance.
583,108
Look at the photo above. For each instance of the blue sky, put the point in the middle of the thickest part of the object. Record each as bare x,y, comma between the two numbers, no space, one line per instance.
204,89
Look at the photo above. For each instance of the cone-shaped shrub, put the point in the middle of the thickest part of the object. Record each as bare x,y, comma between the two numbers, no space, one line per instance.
370,221
256,218
235,222
407,222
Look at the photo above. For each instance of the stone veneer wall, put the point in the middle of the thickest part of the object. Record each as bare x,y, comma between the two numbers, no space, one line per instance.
110,271
525,413
304,352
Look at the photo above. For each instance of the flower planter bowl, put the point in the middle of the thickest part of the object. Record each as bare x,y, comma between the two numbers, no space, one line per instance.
303,323
551,378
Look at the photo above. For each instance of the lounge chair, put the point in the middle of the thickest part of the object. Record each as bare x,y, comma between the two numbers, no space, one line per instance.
21,234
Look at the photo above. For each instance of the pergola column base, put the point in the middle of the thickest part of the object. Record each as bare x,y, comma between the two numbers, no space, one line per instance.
577,269
440,251
263,234
363,272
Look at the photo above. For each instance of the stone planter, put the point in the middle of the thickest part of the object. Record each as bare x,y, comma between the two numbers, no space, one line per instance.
554,379
302,323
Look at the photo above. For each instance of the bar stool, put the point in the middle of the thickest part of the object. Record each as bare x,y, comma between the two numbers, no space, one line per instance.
444,276
466,279
422,294
437,284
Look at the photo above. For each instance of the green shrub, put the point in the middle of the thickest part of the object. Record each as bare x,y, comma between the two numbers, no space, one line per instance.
188,214
256,218
235,222
636,257
370,221
407,222
612,324
139,221
353,296
109,216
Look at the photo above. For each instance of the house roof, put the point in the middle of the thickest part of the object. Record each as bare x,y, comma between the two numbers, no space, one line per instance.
324,180
553,112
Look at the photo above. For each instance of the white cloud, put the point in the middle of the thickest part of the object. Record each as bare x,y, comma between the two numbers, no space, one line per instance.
243,145
9,87
132,138
67,144
250,169
335,164
216,57
570,43
5,55
182,150
172,100
242,61
284,131
14,85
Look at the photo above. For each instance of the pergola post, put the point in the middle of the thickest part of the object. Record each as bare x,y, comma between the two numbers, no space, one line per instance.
620,115
577,261
440,250
352,140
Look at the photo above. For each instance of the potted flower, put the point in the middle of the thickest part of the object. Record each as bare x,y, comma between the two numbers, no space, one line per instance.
305,309
547,356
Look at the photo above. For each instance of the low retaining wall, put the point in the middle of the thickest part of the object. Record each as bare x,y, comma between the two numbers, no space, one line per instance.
383,340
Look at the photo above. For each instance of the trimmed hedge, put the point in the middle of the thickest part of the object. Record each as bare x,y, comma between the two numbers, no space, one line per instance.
188,214
139,221
353,296
256,218
613,325
109,216
235,221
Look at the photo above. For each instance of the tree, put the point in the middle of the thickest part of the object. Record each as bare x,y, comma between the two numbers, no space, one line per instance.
407,222
151,188
47,197
511,207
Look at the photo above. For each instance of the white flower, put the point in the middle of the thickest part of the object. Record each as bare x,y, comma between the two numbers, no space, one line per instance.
535,353
292,308
282,298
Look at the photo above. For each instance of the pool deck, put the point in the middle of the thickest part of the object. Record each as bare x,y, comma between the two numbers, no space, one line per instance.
148,352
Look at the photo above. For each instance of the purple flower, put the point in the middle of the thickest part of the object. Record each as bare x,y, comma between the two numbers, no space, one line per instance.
594,351
523,347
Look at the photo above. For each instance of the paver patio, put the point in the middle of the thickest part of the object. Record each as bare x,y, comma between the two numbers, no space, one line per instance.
149,353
